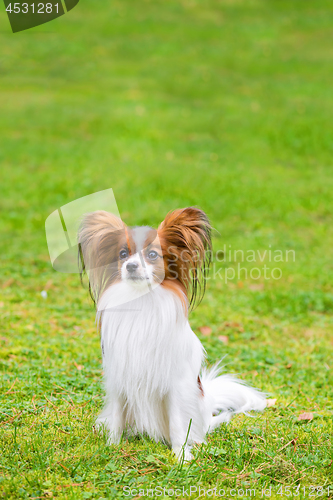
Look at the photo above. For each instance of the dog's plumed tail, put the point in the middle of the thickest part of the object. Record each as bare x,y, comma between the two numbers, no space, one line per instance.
225,395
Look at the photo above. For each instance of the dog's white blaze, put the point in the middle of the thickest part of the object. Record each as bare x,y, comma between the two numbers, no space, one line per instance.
140,236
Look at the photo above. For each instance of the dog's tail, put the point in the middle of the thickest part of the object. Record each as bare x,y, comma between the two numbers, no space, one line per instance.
226,395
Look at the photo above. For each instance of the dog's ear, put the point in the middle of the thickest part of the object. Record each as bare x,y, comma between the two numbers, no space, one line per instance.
99,237
185,236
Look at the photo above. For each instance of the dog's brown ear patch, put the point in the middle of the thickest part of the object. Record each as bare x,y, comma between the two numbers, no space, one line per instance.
100,236
185,236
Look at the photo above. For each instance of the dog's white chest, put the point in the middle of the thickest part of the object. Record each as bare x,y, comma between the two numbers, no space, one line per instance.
146,344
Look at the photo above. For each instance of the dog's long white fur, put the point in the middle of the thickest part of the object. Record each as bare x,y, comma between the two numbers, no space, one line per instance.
152,360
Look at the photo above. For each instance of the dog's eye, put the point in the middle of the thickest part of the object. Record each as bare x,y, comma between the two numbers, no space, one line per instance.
123,254
152,255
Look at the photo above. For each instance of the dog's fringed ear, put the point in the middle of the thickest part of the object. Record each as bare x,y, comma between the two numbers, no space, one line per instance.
98,242
185,236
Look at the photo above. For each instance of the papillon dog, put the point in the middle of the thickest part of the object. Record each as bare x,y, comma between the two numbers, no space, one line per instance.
144,282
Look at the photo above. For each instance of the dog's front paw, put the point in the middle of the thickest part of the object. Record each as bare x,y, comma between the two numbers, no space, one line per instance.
114,435
114,438
183,453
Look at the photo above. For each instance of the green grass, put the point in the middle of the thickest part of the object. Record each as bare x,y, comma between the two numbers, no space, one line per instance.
224,105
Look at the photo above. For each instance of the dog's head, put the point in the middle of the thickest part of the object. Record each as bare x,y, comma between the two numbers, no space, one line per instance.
177,255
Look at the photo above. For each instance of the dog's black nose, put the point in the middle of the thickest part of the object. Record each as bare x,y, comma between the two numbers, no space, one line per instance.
132,267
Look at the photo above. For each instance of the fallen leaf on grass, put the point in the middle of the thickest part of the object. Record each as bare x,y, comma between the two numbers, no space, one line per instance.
270,402
64,432
305,416
234,324
11,387
74,333
223,338
70,485
293,442
205,330
7,283
256,286
48,284
65,468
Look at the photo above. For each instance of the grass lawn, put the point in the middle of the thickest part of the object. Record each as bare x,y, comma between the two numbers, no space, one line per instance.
224,105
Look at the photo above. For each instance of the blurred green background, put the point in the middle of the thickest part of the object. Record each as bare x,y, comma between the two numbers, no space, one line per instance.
226,105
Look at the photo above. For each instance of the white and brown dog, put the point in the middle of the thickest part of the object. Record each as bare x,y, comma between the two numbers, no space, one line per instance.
143,282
